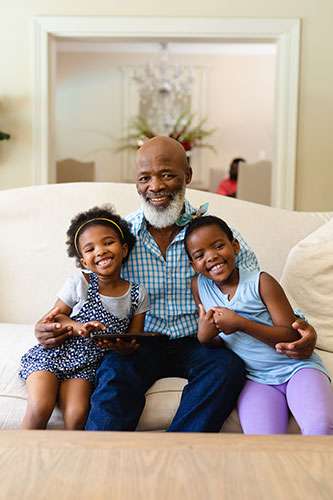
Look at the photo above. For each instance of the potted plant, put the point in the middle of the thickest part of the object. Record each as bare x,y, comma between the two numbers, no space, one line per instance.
4,136
184,131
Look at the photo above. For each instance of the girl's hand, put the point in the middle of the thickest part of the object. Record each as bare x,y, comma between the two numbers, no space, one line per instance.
119,345
206,327
226,320
84,329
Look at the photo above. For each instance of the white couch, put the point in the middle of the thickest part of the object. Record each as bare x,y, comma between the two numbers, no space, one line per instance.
33,266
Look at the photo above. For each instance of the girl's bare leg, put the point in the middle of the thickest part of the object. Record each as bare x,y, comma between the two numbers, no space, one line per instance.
74,400
42,389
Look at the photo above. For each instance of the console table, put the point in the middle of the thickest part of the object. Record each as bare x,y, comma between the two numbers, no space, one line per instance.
160,466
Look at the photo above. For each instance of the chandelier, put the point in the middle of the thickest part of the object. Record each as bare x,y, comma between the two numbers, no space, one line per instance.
164,92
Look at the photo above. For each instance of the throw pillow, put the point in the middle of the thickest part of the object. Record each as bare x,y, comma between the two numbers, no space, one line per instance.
307,279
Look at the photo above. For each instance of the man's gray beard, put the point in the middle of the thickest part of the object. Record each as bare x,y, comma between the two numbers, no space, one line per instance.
164,217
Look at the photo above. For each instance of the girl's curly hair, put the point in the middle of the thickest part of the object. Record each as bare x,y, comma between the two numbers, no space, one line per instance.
88,219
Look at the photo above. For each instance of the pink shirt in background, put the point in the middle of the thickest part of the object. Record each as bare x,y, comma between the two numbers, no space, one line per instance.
227,187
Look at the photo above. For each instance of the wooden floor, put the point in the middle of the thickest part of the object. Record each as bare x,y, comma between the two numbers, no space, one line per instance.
160,466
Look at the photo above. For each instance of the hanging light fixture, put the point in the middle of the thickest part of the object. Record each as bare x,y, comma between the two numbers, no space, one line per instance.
164,91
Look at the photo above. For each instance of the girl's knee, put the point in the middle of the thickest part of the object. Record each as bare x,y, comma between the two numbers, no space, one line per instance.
38,415
75,417
320,425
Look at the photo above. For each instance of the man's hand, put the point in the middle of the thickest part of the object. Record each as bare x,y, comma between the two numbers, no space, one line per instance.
302,348
50,332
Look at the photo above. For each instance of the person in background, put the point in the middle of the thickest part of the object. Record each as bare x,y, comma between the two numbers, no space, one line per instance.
228,186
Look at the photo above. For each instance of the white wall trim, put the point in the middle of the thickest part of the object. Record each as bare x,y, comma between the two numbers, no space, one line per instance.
284,32
173,48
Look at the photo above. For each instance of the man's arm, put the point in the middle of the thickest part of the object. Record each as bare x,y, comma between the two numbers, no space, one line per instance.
246,259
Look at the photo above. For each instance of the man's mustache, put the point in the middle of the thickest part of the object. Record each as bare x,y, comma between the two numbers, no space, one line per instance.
171,195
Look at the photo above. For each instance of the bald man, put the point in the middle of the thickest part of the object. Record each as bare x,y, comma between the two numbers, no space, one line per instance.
159,262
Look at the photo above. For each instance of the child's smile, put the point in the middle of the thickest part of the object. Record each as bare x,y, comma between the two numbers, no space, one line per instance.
104,263
217,269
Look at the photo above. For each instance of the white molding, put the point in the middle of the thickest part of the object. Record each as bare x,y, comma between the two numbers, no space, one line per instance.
284,32
209,48
40,105
286,110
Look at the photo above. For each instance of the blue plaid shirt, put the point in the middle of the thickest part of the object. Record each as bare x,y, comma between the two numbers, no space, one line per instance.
173,311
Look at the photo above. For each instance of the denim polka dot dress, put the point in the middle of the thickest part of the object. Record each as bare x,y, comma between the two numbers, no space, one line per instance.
78,357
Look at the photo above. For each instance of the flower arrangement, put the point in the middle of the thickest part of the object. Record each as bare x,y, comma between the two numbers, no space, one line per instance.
4,136
189,135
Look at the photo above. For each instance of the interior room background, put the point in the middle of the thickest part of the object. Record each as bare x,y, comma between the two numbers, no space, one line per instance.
97,97
314,173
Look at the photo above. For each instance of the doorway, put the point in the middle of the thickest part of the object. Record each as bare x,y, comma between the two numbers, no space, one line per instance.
284,34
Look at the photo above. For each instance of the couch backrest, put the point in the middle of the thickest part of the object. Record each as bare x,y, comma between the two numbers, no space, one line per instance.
34,220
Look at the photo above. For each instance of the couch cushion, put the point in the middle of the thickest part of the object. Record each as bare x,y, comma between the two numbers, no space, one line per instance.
162,399
15,340
308,281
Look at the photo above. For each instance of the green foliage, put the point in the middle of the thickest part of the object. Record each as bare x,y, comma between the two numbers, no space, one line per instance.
4,136
189,135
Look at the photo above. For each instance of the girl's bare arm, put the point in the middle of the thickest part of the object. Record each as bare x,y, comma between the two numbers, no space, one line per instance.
280,311
207,331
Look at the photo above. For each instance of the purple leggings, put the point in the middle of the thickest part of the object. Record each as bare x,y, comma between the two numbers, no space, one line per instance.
264,409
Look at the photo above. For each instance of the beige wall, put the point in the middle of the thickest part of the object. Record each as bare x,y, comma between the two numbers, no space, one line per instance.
238,102
315,144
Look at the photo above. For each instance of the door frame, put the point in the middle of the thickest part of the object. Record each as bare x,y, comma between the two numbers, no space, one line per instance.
285,33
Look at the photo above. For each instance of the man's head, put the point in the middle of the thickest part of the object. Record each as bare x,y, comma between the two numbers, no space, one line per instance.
162,173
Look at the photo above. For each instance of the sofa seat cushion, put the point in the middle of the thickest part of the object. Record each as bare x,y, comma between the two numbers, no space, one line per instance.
162,399
15,339
308,281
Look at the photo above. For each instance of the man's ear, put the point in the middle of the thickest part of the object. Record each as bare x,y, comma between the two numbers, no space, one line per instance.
188,174
236,246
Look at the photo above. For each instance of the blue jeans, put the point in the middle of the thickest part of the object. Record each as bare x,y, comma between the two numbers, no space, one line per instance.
215,379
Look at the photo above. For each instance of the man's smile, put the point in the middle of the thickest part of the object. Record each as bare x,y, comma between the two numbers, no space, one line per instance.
159,199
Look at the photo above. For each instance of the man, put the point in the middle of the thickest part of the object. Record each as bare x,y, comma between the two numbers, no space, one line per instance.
158,261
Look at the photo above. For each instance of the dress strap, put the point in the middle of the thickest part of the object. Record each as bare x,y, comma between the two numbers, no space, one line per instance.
92,285
135,295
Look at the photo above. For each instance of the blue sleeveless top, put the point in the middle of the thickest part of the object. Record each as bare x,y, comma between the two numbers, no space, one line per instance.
263,363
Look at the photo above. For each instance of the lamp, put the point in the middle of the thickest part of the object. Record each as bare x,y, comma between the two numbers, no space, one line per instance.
165,92
165,106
